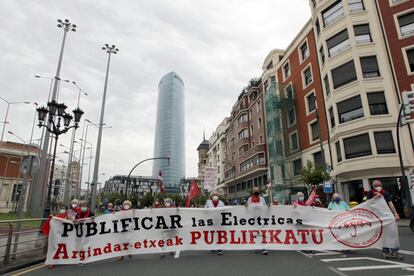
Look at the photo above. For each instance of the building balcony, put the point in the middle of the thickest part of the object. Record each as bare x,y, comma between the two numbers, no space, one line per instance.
252,151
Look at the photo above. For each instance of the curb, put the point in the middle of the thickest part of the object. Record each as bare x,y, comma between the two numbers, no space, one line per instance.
12,268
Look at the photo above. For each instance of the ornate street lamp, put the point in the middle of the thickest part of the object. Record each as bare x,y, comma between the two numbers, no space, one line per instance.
56,112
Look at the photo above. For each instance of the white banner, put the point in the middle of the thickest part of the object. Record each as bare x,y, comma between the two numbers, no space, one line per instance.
370,224
210,178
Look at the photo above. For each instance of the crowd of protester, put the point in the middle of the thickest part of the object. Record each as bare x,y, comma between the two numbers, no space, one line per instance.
79,210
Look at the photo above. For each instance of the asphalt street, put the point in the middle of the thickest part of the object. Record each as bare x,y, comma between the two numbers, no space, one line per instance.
357,263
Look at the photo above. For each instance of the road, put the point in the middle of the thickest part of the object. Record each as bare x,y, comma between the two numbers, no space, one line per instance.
358,263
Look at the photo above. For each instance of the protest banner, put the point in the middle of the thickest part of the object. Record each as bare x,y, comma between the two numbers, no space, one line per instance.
370,224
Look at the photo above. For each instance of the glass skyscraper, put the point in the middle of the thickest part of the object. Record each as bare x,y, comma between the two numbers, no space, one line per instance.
169,131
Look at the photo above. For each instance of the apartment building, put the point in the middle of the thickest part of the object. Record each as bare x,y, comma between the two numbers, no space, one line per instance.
246,156
355,57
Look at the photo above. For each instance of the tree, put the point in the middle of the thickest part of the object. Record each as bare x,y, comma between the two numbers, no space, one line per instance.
113,197
313,175
147,200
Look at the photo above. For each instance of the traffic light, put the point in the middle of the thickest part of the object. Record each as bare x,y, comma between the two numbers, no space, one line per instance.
408,103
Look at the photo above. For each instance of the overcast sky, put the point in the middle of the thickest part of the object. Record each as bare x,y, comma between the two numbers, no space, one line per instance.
216,46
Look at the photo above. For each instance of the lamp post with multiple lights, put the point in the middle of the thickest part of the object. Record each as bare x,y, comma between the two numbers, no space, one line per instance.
57,113
7,113
36,195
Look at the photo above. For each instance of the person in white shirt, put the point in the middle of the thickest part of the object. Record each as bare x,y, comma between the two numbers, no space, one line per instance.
215,202
257,200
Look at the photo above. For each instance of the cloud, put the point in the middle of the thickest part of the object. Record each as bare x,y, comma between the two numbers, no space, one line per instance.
216,46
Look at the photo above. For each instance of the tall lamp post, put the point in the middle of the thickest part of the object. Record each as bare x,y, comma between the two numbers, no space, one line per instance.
36,193
133,168
7,113
109,50
57,113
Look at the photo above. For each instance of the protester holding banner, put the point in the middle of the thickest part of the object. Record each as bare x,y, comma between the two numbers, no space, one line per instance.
300,200
257,200
126,205
377,192
214,202
168,203
74,209
337,204
110,209
156,204
84,211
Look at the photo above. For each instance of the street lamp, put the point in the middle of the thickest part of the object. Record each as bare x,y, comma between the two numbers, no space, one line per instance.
36,195
109,50
56,112
133,168
7,113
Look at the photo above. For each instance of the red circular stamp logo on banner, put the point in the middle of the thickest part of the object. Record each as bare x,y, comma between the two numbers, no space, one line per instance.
357,228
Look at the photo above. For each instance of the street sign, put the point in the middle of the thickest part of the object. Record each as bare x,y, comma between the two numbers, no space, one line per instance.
327,187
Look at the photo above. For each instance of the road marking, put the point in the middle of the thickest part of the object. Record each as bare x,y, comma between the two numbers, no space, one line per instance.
392,264
304,254
336,271
406,252
29,270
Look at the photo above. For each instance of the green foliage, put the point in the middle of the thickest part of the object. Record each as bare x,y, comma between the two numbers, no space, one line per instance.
147,200
113,197
313,175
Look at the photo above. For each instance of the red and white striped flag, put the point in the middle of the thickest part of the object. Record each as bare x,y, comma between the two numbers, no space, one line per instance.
161,183
311,198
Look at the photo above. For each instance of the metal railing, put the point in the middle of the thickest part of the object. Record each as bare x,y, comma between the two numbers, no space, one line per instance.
21,239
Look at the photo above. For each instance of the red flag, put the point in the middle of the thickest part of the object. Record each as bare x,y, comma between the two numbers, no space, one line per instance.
161,183
194,192
311,198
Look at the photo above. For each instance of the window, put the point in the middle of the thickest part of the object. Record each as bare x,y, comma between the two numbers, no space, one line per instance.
406,22
333,13
243,149
377,103
307,75
357,146
350,109
384,142
258,106
410,57
293,140
344,74
317,159
289,91
338,43
261,139
243,134
338,152
356,5
314,131
362,34
317,26
297,166
322,54
311,102
258,159
304,50
269,66
327,86
259,123
286,70
369,67
242,118
291,116
331,117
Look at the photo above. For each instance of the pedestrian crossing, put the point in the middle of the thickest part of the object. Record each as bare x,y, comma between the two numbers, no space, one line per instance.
345,264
